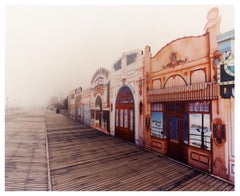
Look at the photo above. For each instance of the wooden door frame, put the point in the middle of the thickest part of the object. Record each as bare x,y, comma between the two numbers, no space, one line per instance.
125,106
180,146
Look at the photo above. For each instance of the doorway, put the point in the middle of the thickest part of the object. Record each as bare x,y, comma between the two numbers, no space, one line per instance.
177,149
124,115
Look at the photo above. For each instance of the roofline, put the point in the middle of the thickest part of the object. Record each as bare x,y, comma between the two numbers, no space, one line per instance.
185,37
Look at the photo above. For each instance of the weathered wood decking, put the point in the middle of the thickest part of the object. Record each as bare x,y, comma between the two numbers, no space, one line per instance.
25,151
85,159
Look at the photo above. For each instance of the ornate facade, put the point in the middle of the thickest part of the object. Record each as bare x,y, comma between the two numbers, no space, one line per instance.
223,124
182,103
126,97
179,102
100,100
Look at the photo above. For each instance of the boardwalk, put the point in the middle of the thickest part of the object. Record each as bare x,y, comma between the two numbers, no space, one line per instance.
25,151
84,159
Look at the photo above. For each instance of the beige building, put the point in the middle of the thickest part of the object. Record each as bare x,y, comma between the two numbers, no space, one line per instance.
126,97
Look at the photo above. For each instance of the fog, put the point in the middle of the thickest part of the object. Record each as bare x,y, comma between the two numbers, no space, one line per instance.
50,50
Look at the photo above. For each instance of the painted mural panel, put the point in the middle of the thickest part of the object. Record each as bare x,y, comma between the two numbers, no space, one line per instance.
200,132
157,124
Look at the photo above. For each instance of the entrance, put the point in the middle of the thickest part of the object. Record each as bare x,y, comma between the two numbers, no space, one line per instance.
98,115
124,115
177,149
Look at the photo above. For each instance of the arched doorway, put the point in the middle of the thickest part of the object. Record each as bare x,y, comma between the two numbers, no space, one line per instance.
98,112
124,115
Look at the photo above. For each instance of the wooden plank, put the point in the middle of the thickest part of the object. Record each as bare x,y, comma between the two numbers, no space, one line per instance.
25,152
87,160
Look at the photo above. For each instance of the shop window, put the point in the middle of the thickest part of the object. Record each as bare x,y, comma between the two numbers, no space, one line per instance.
157,121
200,132
199,107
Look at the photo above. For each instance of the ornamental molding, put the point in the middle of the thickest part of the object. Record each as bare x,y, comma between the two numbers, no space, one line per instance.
174,61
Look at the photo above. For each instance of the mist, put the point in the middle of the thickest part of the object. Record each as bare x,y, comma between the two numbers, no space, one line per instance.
50,50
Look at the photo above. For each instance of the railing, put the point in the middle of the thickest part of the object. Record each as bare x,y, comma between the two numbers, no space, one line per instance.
199,91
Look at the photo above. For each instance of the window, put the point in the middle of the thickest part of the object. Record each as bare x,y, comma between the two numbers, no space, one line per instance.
199,117
121,118
125,118
174,129
186,127
157,124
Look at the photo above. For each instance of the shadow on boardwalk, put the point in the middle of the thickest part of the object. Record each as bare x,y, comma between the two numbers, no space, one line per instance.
85,159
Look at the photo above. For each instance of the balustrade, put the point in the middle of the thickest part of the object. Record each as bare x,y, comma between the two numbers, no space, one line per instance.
198,91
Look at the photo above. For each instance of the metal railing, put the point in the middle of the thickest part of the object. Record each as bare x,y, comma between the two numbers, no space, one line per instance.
198,91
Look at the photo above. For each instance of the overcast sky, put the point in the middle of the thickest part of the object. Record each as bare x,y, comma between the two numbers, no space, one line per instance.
50,50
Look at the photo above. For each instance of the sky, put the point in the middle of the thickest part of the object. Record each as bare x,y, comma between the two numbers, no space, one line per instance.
52,49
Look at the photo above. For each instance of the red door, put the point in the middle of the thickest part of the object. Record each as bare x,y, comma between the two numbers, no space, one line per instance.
177,149
124,115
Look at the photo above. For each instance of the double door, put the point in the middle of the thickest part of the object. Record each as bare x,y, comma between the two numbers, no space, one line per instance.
124,123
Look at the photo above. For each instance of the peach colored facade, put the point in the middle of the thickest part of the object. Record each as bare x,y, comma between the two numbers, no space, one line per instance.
226,115
173,103
182,106
100,100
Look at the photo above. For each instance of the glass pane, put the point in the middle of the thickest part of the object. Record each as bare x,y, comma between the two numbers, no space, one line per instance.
131,119
157,124
125,118
195,129
200,133
199,107
186,121
165,125
156,107
174,129
121,118
207,132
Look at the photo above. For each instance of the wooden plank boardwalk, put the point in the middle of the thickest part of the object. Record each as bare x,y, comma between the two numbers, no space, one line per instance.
85,159
25,151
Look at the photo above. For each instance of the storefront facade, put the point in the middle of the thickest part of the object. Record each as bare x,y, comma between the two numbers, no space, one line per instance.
181,102
223,130
126,98
78,104
86,105
100,100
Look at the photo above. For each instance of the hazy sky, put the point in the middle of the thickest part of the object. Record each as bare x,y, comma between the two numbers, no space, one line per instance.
50,50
